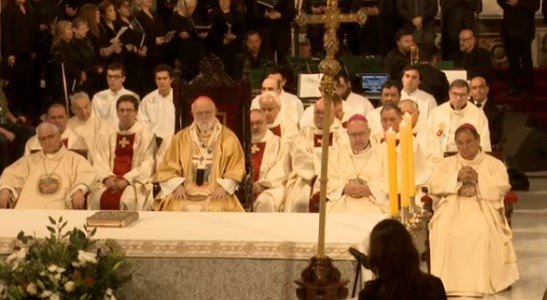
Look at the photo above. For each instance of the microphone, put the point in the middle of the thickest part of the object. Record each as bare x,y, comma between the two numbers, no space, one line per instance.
360,257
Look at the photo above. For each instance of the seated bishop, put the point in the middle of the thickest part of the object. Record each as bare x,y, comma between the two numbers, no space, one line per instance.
52,178
302,186
57,115
276,114
270,165
202,167
471,241
357,182
438,134
125,162
86,124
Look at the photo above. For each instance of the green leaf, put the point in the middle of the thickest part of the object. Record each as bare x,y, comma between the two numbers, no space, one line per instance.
20,235
51,229
60,219
52,221
40,284
84,296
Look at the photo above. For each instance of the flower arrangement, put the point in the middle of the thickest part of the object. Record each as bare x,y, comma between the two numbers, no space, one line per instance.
65,265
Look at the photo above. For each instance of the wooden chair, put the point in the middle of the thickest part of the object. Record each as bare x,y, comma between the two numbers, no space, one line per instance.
232,99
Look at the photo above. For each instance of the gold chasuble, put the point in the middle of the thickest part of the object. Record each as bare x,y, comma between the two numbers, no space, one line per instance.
201,163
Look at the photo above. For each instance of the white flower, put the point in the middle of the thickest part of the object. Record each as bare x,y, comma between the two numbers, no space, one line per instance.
42,273
109,295
69,286
17,256
45,294
55,297
86,257
52,268
32,289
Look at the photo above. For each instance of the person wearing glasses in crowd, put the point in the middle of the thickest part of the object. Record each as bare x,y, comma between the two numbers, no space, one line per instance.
445,119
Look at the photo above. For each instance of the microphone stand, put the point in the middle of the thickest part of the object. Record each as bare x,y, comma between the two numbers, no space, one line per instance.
357,276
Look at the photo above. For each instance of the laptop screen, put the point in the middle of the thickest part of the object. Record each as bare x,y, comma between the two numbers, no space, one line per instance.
371,83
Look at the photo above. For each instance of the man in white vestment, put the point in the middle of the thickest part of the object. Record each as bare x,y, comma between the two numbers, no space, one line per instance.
438,133
271,165
125,162
203,165
53,178
357,182
157,110
277,117
426,102
294,106
57,115
358,104
303,185
86,124
390,92
104,102
285,96
471,242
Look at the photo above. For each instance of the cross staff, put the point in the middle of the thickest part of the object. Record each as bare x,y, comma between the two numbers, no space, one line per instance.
329,67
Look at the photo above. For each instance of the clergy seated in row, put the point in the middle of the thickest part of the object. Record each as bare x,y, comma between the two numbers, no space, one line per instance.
124,162
271,165
104,102
86,124
202,167
480,97
291,102
157,110
438,134
52,178
303,185
357,182
57,115
278,117
471,241
426,102
390,92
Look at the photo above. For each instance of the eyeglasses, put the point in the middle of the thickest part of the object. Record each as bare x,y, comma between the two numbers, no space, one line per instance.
114,76
459,95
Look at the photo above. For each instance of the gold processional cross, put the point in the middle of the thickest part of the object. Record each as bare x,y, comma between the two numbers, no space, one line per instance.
321,279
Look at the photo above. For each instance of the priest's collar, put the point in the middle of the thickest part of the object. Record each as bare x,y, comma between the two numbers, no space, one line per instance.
133,129
454,109
60,152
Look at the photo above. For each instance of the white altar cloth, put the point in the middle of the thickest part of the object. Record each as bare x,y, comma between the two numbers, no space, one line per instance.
221,235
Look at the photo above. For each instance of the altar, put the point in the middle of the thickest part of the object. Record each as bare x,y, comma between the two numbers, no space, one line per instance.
213,255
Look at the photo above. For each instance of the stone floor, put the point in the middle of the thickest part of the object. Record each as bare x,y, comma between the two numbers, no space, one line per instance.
530,240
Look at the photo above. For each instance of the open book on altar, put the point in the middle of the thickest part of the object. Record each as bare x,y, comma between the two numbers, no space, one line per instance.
114,218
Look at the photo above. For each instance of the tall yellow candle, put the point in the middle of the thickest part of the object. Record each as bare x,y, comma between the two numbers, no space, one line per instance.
403,150
392,172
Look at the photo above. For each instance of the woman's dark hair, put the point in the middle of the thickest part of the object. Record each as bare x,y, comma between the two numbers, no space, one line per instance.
394,259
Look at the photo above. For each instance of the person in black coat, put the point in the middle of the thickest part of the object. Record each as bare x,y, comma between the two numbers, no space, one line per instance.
518,31
19,50
274,24
481,98
225,38
399,57
433,80
394,260
456,15
419,16
472,58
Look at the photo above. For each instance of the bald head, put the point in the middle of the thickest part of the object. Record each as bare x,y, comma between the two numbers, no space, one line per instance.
270,105
318,110
410,107
204,111
467,40
49,137
359,134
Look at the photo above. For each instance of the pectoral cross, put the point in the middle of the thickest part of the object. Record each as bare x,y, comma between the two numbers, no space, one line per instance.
123,142
254,149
